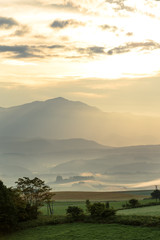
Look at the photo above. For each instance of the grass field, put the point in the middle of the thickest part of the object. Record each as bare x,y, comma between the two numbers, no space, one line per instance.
61,206
145,211
86,232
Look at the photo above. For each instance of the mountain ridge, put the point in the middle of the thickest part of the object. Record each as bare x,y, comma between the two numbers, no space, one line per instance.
60,118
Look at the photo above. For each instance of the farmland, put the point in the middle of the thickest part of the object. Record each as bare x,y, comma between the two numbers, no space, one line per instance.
56,227
108,196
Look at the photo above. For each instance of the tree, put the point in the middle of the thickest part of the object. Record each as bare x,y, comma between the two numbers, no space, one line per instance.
8,210
99,210
88,205
156,194
35,192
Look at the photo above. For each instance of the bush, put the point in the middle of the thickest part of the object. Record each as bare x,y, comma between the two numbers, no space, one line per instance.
75,213
99,210
133,202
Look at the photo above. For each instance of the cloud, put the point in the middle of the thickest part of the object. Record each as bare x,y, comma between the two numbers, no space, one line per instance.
149,45
129,34
7,22
67,6
87,95
91,50
26,51
108,27
23,30
120,5
19,51
55,46
66,23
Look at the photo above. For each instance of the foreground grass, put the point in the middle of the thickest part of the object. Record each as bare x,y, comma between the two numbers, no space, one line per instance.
81,231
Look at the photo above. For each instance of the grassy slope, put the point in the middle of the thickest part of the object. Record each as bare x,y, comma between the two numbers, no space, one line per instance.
86,232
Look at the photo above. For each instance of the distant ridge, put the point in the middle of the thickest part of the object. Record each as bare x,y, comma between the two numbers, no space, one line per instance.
58,100
60,118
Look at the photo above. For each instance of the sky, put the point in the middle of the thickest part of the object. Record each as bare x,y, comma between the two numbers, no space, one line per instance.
105,53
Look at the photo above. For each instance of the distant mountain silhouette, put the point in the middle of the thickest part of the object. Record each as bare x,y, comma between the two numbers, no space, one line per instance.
60,118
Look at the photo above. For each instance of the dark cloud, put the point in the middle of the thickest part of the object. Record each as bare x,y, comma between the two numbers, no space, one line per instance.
120,5
55,46
57,50
7,22
149,45
19,51
91,50
25,51
23,30
68,6
97,50
66,23
108,27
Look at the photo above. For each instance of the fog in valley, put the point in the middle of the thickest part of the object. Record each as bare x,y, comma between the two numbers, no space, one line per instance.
74,146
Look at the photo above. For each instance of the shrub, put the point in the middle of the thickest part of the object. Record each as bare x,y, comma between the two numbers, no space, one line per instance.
133,202
75,213
99,210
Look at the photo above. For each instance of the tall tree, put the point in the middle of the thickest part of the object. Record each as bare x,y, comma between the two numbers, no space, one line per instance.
8,210
34,191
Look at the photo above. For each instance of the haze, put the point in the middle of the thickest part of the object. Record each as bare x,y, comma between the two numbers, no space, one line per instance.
76,74
104,53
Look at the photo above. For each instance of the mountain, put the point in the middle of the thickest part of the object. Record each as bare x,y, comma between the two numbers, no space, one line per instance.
60,118
59,137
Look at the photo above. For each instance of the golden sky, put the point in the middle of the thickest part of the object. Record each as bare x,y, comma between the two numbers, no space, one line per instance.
102,52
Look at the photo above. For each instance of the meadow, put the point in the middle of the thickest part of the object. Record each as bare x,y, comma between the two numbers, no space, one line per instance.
86,231
61,206
43,230
144,211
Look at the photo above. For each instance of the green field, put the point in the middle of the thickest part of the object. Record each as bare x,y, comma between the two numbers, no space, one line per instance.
86,232
144,211
61,206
